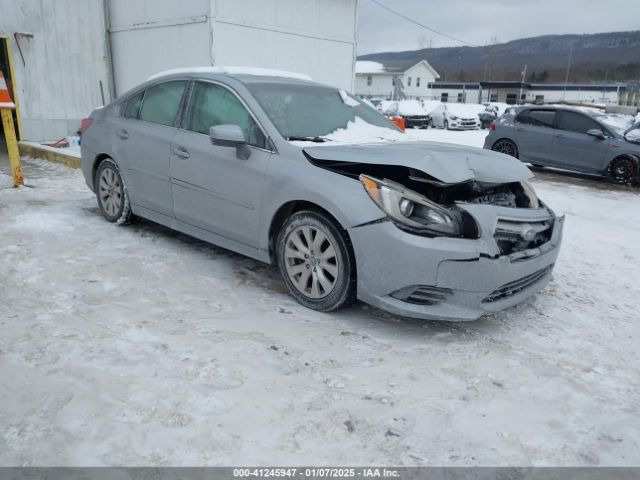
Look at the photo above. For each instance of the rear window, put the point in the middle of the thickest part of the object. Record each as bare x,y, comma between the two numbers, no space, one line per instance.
132,107
539,118
161,103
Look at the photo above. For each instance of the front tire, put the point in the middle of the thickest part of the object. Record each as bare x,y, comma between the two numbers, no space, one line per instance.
316,261
622,170
506,146
112,195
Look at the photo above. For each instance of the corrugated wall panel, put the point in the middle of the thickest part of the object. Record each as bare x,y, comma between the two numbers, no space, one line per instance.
64,62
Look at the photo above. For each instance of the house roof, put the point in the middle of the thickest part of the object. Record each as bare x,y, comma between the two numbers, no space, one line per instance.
389,66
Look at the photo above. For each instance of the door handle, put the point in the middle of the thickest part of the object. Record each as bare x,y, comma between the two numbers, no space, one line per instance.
181,152
123,134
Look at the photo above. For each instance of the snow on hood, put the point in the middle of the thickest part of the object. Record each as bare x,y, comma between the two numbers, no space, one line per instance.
357,132
463,110
446,162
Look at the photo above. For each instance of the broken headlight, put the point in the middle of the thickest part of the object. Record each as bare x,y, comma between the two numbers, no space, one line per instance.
527,188
410,210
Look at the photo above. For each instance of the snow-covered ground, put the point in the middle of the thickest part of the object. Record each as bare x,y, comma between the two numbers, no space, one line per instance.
139,346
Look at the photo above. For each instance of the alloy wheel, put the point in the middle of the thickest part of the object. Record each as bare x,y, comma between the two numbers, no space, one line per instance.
506,147
311,261
110,192
622,170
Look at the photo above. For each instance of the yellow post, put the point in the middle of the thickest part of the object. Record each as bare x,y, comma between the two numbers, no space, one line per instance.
6,109
12,146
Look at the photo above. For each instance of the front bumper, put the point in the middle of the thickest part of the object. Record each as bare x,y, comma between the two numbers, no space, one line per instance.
464,124
473,277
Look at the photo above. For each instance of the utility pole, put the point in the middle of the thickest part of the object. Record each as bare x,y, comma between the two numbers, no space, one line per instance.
524,75
566,76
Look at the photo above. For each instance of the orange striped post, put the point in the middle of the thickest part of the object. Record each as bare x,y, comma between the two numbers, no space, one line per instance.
6,109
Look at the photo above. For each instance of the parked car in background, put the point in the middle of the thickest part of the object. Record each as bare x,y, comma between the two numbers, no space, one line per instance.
414,114
456,116
565,138
233,157
488,116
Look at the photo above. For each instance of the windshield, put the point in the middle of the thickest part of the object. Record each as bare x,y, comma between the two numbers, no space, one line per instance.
313,111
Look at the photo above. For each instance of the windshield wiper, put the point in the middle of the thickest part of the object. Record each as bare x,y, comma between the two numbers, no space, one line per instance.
307,139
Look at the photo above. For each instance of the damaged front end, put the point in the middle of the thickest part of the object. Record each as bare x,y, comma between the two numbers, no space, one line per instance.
421,204
471,240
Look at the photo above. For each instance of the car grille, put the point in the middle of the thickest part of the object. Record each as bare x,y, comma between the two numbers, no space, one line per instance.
516,286
517,236
416,117
422,294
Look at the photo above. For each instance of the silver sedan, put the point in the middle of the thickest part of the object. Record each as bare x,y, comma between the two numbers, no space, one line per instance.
295,173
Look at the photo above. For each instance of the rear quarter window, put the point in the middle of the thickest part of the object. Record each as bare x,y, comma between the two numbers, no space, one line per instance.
538,118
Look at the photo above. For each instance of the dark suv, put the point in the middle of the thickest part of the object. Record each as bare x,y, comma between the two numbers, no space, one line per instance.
565,138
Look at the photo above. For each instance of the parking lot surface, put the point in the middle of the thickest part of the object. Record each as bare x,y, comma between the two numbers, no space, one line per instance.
139,346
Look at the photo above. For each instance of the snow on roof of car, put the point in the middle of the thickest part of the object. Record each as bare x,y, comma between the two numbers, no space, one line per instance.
261,72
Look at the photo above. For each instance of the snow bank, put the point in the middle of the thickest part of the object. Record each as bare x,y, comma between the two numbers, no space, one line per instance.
266,72
365,66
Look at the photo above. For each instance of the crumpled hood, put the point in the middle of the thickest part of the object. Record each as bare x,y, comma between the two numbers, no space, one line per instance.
445,162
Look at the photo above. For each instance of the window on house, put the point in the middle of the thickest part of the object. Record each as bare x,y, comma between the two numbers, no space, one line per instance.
512,98
417,81
539,99
444,97
369,80
461,97
409,82
494,97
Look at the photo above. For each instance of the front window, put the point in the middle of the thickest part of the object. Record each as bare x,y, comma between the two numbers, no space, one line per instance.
369,80
409,82
444,97
213,105
302,111
417,81
576,122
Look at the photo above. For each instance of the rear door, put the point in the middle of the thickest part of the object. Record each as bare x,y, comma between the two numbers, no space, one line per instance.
573,148
213,188
142,142
535,134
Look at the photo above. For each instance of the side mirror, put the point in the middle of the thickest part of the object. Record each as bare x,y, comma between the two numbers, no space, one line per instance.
596,132
227,136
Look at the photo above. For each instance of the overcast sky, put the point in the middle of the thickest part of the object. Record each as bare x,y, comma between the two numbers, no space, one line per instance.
477,21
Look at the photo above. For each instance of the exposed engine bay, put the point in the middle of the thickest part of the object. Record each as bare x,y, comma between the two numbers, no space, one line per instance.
471,191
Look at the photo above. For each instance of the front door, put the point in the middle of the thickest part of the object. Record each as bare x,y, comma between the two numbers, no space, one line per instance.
214,188
142,138
575,149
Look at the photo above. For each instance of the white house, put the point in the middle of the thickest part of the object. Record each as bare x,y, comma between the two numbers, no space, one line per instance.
377,79
65,57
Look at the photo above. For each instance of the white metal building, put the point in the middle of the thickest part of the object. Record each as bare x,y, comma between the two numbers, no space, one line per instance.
374,79
77,52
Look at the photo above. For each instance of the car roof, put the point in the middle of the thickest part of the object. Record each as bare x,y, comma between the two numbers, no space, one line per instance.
245,75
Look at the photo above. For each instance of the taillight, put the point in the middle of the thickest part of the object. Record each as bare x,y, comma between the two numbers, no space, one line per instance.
492,126
85,123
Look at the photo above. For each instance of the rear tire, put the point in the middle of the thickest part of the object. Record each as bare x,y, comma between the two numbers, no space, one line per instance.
112,195
316,261
623,170
507,147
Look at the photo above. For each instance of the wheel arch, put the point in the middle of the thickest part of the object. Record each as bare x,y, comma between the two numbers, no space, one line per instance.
289,208
96,164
